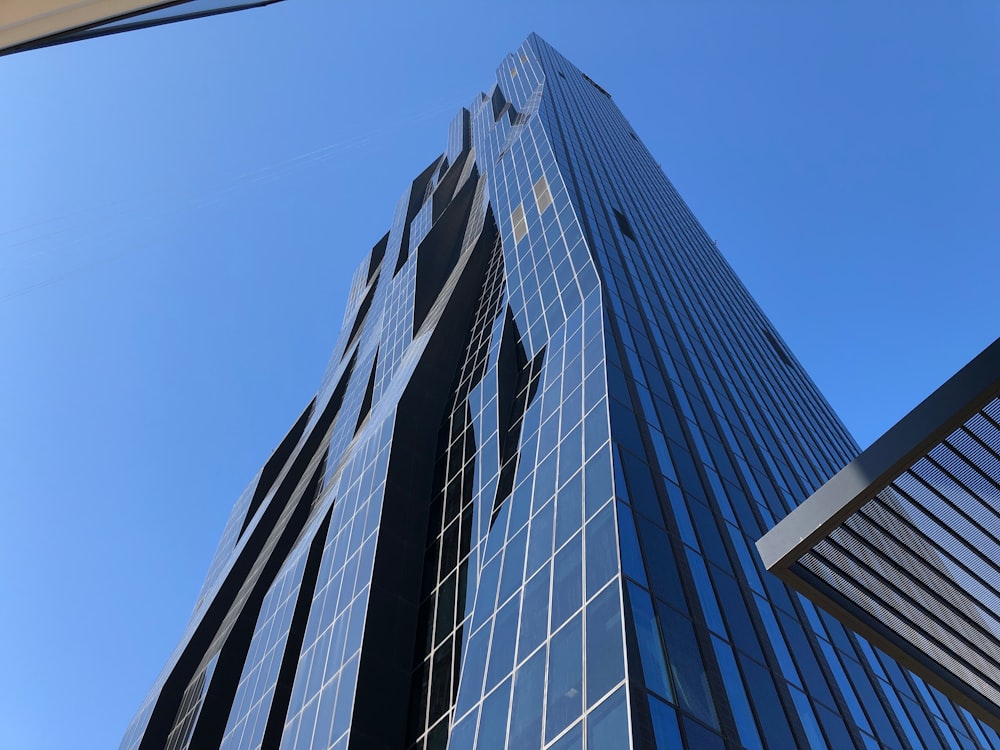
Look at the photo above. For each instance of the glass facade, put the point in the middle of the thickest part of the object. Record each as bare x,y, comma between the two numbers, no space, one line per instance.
520,511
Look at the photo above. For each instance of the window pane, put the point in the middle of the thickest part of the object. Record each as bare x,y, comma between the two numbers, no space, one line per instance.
569,509
572,740
567,583
607,725
540,543
737,695
605,658
564,702
526,712
687,667
502,649
602,549
535,618
654,666
632,564
493,723
665,727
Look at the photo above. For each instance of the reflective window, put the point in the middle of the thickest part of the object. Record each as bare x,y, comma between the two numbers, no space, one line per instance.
564,701
654,665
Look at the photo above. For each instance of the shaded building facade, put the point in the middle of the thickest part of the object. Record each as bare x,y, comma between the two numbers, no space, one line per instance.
520,510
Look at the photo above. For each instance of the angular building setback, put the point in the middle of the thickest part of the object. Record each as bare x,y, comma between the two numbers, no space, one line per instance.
903,543
521,509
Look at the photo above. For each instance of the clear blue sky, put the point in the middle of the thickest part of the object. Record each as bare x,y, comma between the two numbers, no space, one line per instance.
180,210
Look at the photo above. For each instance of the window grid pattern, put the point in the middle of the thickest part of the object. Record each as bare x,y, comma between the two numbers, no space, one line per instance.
230,536
323,692
421,223
591,581
718,430
457,136
321,704
359,287
343,431
252,703
191,705
134,732
544,664
442,609
398,322
539,570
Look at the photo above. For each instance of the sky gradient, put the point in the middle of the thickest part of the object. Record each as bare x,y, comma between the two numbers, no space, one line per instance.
181,209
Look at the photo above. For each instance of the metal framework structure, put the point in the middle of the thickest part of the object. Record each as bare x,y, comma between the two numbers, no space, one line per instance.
33,24
902,545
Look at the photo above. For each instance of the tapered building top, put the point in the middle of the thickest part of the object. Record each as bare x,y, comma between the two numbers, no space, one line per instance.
520,510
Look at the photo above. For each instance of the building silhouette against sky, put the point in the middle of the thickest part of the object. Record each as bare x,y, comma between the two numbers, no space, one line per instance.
521,509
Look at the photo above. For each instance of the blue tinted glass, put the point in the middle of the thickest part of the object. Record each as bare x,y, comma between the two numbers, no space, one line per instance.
493,721
632,564
535,617
835,728
598,482
665,726
567,581
570,453
486,591
513,565
602,549
569,509
545,474
687,666
662,568
654,665
605,658
526,711
701,737
494,542
809,723
324,713
502,649
764,696
540,540
735,612
345,698
706,594
742,713
564,700
474,669
607,725
641,489
572,740
520,505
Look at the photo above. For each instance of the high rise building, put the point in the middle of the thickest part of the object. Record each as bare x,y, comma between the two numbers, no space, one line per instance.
521,509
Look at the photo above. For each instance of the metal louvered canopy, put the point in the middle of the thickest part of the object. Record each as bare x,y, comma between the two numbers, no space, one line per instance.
903,544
